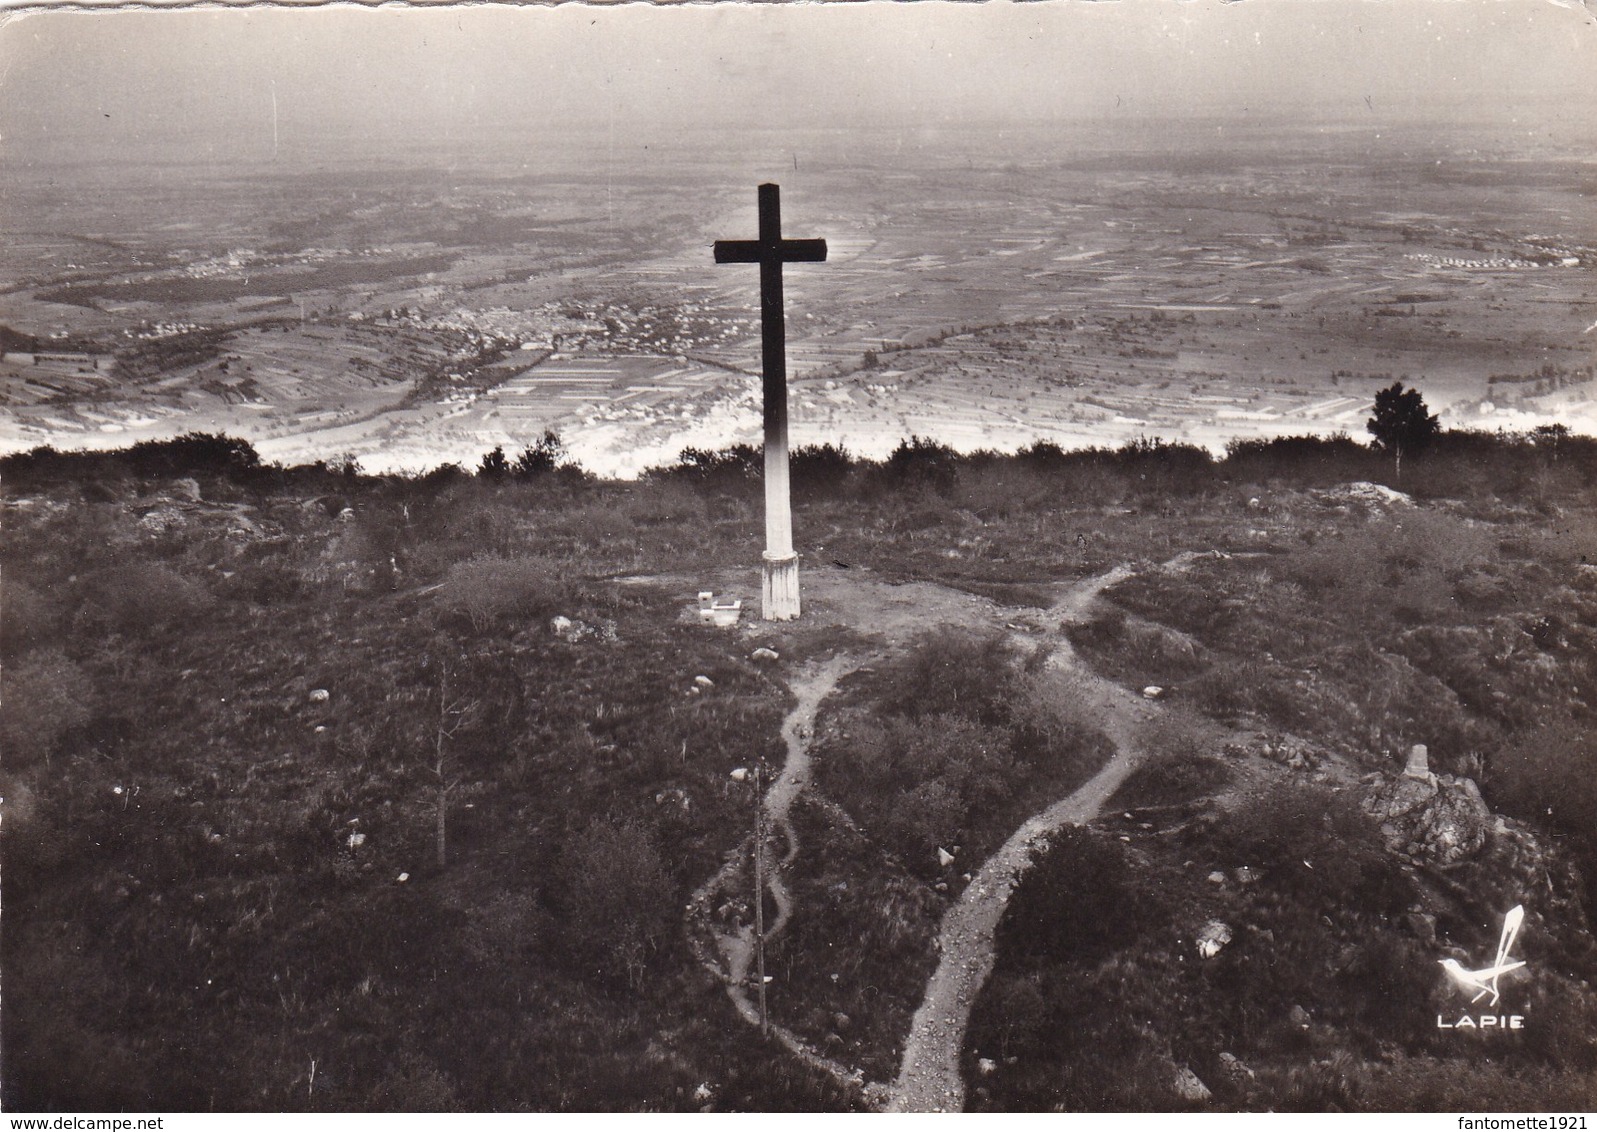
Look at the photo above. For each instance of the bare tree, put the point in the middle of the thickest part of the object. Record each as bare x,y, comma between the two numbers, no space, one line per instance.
452,716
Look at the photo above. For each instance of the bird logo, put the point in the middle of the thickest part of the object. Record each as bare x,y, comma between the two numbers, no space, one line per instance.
1483,981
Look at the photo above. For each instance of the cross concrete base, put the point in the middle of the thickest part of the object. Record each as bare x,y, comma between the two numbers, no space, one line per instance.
779,588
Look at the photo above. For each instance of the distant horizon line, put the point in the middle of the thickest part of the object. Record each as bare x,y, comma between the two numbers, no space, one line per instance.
679,137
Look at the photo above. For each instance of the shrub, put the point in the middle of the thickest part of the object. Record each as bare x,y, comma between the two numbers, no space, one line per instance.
45,696
1319,844
1164,468
924,818
919,462
1080,899
719,468
145,595
1550,774
820,470
620,897
1404,565
916,782
1298,459
955,672
494,465
28,618
488,589
192,453
1172,781
540,458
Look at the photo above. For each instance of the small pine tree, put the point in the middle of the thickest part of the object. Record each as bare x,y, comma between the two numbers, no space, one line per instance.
494,466
1402,423
540,458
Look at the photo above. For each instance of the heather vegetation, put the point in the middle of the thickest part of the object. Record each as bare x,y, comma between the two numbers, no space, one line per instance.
245,707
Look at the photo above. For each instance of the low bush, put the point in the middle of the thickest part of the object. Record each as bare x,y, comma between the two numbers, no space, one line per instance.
28,618
485,592
820,471
1172,781
919,462
951,671
1081,900
45,696
1549,774
1318,844
620,897
144,595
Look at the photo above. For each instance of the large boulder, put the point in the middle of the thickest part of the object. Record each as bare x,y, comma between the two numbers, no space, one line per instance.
1441,819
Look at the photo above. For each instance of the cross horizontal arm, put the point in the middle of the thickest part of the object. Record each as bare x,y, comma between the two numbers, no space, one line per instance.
753,251
737,251
804,251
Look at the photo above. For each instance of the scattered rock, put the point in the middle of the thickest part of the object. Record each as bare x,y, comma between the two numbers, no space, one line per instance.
573,631
1372,496
765,654
741,774
1214,936
356,840
841,1022
1298,1017
161,519
1189,1088
1217,877
1422,925
320,696
1234,1069
402,877
1152,692
1245,874
986,1066
704,681
944,857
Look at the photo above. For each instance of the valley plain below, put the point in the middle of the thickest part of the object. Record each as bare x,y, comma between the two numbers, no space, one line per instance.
1191,281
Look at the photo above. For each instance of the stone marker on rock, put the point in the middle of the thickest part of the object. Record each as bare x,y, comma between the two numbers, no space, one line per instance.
1419,764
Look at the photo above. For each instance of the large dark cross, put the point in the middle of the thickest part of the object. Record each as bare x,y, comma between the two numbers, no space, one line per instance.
779,588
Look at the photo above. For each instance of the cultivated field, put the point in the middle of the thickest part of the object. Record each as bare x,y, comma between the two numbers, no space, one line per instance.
1082,294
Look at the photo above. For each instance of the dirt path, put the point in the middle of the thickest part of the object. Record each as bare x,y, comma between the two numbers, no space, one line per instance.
734,950
929,1079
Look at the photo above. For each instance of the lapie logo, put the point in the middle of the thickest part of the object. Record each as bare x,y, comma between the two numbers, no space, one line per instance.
1483,981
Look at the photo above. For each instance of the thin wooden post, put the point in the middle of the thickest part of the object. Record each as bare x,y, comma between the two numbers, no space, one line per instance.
759,895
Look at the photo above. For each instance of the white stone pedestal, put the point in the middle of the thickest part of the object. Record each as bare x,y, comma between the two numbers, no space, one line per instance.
779,588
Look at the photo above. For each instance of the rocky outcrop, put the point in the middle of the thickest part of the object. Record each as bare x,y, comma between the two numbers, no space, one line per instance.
1439,819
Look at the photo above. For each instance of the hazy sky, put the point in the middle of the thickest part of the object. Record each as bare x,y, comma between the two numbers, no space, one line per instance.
154,84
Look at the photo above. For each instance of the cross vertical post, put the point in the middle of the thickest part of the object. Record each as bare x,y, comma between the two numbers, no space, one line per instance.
779,589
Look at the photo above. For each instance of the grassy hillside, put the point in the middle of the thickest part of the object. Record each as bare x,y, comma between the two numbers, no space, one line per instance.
235,694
